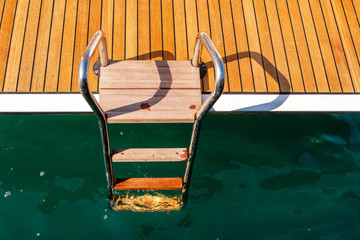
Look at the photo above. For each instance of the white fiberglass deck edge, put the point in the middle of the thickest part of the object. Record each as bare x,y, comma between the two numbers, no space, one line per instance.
75,103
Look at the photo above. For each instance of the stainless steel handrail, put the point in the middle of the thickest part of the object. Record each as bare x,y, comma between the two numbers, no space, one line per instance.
202,39
97,40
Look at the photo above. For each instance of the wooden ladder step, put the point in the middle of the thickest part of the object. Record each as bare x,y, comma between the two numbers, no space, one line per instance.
150,91
148,184
149,155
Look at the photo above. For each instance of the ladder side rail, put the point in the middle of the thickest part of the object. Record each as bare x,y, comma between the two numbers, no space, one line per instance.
202,39
97,40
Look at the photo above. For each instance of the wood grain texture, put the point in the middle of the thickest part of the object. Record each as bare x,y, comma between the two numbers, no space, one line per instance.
119,30
27,59
5,37
94,26
217,35
191,25
348,42
150,105
268,57
107,20
150,91
143,30
243,54
149,155
2,6
42,46
53,61
353,24
356,5
81,40
281,59
208,81
337,47
289,46
296,77
67,51
155,30
180,31
139,74
148,184
302,47
168,30
313,46
16,48
325,45
260,84
230,47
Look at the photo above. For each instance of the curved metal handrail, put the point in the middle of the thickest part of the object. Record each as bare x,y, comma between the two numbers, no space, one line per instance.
202,39
97,40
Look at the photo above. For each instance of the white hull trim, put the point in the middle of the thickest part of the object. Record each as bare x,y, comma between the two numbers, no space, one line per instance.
227,103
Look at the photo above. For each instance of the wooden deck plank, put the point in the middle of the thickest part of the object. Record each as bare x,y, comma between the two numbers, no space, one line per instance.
268,57
67,51
314,48
53,61
107,20
150,105
168,38
155,30
148,184
268,46
336,45
149,155
243,55
119,30
230,47
353,24
27,59
94,26
217,35
180,31
144,33
38,77
281,59
191,25
348,43
136,75
162,91
356,5
13,63
254,47
327,53
204,26
296,78
2,6
302,48
5,37
81,39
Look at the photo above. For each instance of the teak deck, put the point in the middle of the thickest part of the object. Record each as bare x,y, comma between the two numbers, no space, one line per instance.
268,46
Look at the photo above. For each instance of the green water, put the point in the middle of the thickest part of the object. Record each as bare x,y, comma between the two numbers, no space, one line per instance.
255,177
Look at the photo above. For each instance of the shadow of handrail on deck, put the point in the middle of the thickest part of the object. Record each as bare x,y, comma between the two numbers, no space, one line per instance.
160,93
277,76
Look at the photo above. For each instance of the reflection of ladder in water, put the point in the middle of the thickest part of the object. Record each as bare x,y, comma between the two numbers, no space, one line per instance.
153,92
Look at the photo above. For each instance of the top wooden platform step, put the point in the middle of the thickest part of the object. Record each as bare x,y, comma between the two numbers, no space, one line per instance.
150,91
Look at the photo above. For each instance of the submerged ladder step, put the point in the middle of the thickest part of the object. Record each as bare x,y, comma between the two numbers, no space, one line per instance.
148,184
149,155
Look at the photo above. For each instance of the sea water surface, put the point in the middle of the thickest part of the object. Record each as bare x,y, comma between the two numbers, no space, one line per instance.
260,176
